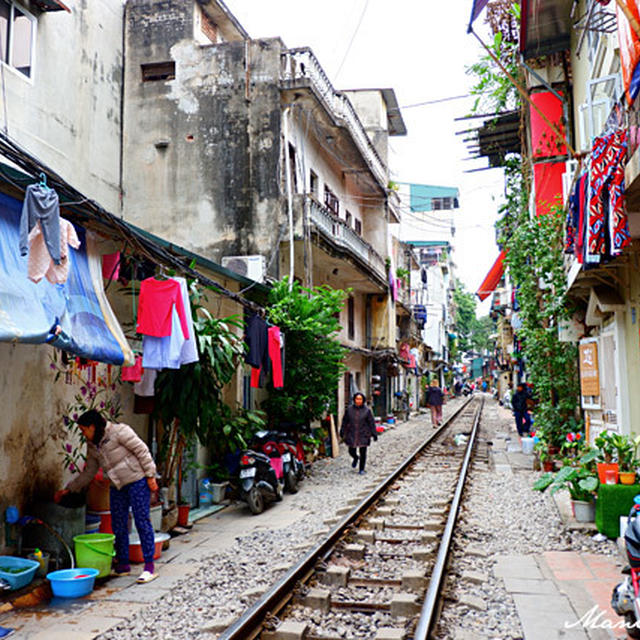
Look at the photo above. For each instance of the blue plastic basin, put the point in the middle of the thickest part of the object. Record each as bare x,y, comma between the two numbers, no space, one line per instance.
22,579
72,583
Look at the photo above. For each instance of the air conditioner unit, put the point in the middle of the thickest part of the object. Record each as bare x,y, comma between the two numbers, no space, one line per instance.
252,267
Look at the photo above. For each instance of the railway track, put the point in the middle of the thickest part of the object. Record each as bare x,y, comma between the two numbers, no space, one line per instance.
379,571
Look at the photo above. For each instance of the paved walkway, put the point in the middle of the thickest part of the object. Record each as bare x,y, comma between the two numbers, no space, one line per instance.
558,594
120,598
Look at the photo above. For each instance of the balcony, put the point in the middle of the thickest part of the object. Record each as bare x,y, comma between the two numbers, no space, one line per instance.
300,66
339,233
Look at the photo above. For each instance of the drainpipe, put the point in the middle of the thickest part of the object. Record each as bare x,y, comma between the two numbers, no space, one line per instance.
287,170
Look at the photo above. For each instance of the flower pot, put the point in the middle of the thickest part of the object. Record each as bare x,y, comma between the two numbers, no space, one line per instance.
608,472
183,514
552,450
584,511
547,465
627,477
218,491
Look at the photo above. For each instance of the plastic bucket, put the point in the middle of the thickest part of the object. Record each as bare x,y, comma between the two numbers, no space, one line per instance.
95,550
72,583
527,445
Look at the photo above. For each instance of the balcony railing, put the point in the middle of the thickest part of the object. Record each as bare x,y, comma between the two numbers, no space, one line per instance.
339,233
301,64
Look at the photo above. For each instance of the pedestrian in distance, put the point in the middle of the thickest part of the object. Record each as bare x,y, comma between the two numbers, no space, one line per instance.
435,398
357,429
126,460
520,403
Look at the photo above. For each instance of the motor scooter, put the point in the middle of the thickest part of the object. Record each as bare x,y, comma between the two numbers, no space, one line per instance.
273,443
625,599
258,481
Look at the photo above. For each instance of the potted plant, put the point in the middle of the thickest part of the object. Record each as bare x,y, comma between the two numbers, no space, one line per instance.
580,480
625,452
607,469
183,512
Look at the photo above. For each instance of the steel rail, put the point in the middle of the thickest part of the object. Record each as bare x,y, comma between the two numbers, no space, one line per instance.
429,607
248,626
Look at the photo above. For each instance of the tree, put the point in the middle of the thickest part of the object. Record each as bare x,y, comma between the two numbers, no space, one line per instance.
481,330
465,315
314,357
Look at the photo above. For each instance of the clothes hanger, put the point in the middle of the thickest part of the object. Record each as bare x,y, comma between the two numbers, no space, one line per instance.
43,181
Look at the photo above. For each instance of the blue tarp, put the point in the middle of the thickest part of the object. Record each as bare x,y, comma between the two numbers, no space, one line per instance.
29,312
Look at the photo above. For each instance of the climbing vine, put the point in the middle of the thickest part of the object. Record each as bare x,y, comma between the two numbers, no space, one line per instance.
535,262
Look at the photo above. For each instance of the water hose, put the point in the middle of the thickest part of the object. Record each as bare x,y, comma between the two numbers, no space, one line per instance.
25,520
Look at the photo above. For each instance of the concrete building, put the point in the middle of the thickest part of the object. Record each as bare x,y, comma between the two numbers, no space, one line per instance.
428,227
245,153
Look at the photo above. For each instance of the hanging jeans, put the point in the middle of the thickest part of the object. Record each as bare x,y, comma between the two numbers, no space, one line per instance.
523,422
137,496
353,452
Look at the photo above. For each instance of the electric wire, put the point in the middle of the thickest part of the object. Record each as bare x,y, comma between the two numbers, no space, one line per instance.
353,37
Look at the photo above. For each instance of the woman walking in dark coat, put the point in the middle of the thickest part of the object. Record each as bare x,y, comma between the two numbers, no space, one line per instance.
358,427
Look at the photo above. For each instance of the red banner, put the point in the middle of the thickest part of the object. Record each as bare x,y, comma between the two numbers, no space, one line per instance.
629,48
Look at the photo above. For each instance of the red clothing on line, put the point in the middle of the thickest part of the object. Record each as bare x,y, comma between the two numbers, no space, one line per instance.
157,298
276,357
133,373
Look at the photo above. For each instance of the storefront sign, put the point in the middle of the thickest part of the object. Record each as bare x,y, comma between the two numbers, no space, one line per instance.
589,375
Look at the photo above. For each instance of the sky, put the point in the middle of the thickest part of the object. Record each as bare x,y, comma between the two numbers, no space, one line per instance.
422,54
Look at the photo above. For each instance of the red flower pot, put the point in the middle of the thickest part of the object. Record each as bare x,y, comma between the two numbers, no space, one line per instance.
183,514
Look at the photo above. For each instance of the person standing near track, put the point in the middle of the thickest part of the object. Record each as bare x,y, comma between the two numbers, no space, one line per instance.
435,398
520,403
357,429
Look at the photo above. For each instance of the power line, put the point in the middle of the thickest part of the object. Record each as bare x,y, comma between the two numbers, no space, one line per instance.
436,101
353,37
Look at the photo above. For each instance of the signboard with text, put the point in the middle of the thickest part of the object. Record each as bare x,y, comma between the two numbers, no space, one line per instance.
589,375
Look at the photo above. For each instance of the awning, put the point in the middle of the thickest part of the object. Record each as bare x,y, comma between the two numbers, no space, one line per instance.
51,5
476,8
492,279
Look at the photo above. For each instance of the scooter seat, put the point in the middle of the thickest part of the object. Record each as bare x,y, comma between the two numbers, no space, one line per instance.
276,463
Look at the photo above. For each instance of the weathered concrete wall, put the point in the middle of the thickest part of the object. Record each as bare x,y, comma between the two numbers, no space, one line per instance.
68,112
214,187
32,434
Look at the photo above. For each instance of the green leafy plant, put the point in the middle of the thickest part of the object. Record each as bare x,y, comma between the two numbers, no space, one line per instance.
605,445
580,480
315,357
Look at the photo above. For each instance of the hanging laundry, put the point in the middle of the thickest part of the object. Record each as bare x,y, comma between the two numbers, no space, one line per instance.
171,352
146,387
111,266
40,263
275,350
157,300
134,372
275,354
42,205
164,353
256,338
608,234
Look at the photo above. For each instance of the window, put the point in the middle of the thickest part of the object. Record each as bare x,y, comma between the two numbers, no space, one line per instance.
358,227
154,71
313,183
292,166
17,37
350,318
331,201
438,204
349,219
